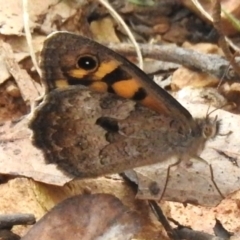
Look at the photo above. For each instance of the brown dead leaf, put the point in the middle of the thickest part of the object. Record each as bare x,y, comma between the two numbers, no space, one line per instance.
232,92
207,96
18,196
20,47
12,105
22,195
11,16
98,216
3,68
184,77
208,48
176,34
19,52
20,158
204,218
103,30
57,14
29,90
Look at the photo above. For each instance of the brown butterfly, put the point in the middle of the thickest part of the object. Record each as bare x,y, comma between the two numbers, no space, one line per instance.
92,133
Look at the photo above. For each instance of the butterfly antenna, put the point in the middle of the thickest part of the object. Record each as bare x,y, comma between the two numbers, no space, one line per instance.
219,84
209,113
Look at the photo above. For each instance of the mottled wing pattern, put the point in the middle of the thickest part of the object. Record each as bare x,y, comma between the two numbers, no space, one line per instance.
61,62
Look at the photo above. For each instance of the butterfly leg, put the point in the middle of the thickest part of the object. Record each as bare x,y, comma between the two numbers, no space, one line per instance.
211,174
168,174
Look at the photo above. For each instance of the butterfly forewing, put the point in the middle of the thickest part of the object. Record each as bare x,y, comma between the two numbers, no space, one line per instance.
63,52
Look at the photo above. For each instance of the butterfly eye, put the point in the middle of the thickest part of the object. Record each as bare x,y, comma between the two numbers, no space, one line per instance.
87,62
207,132
210,130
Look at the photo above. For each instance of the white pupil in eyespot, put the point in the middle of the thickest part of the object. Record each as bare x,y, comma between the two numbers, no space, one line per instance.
87,63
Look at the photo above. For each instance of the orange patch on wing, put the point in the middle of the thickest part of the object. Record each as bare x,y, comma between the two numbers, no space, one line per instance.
154,104
126,88
105,68
78,73
99,86
61,83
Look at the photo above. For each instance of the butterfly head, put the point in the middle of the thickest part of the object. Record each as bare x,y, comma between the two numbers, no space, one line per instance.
210,127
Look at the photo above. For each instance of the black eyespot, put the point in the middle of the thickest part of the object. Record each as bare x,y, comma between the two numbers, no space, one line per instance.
87,62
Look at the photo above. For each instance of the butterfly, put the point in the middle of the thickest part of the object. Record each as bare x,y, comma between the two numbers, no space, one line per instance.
89,123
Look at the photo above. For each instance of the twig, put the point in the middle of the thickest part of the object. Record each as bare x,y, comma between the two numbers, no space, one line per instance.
29,36
118,18
163,220
201,9
9,220
216,15
223,41
209,63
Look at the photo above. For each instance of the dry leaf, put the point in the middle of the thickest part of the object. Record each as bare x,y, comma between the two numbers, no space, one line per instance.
103,30
20,158
11,16
183,77
3,68
22,195
12,105
58,13
98,216
29,89
207,48
20,47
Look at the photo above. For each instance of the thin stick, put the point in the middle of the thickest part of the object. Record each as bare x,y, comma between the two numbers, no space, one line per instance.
118,18
222,39
216,20
202,11
163,220
29,36
9,220
209,63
